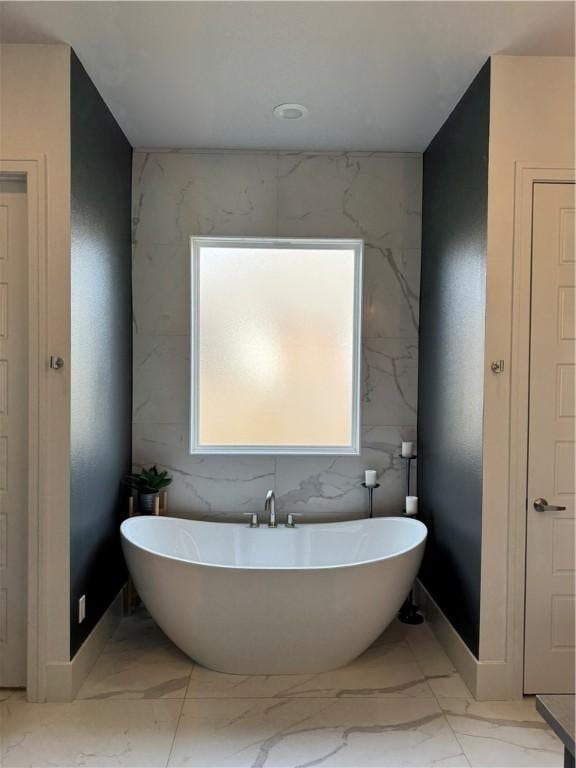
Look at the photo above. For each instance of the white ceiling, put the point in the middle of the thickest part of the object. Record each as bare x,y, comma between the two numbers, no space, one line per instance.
374,75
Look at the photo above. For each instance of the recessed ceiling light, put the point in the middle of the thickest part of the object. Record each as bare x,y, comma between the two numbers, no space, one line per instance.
290,111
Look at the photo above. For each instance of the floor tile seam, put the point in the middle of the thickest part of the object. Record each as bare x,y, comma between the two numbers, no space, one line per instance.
173,742
189,680
428,698
110,700
112,697
453,732
424,676
389,697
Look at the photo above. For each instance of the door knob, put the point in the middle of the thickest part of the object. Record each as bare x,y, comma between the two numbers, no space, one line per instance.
541,505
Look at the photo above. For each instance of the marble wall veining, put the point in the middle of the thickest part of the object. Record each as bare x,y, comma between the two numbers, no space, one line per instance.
375,196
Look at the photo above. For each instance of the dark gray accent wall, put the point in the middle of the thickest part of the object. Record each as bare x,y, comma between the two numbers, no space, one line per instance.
451,357
101,359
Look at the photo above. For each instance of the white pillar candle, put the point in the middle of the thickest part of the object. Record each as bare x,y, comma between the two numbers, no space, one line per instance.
407,449
411,505
370,478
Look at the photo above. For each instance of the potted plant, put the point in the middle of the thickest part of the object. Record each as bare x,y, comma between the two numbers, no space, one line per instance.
149,483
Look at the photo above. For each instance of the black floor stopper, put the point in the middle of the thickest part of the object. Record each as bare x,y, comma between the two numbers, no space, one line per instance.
409,613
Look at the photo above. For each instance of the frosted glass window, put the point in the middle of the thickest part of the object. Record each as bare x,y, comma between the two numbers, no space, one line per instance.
275,345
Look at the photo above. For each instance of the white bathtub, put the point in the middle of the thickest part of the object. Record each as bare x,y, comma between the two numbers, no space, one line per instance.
273,600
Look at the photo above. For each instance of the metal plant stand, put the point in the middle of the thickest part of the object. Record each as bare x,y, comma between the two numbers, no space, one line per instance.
409,613
371,489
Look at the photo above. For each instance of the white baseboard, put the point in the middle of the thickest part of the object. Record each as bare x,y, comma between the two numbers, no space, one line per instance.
64,679
486,680
457,650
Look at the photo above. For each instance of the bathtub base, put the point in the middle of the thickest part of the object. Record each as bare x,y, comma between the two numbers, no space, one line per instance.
302,650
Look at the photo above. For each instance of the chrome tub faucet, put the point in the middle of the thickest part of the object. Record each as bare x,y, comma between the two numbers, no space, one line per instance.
270,506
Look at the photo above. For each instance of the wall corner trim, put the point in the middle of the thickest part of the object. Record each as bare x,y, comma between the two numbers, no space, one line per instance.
487,680
64,679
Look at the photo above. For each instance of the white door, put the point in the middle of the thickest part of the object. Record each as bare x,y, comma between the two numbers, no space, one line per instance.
13,434
549,632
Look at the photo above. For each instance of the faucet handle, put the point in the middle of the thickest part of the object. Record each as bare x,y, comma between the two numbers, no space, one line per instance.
253,519
290,519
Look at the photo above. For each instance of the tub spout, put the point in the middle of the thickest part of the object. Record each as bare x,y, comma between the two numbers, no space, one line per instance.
270,506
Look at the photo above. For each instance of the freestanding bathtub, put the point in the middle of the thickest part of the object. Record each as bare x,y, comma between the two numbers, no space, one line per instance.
273,600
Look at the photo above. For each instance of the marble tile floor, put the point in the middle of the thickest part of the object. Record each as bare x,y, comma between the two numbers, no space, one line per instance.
400,704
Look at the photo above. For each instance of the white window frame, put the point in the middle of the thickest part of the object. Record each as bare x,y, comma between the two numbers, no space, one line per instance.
196,244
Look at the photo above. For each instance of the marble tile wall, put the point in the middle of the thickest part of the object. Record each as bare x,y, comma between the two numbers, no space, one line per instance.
374,196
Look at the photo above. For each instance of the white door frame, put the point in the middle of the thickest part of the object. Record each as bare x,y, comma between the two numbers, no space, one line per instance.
33,170
526,177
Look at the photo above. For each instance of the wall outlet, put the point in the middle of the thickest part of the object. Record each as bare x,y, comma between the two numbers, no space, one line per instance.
81,609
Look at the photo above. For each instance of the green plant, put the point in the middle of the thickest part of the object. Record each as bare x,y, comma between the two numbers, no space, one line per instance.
149,480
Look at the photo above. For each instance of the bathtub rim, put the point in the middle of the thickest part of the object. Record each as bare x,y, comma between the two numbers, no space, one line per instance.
281,568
